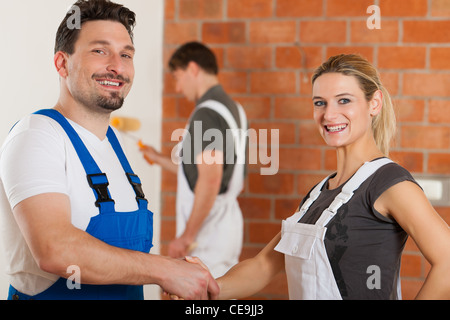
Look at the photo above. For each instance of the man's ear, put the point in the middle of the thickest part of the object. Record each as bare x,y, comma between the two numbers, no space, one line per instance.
193,68
60,59
376,104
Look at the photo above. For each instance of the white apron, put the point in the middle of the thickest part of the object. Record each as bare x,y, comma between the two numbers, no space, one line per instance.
219,241
308,268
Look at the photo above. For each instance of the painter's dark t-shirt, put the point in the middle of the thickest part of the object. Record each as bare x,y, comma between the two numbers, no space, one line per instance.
206,119
361,242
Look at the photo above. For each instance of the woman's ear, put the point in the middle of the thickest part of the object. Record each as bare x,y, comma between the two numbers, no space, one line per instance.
376,104
60,59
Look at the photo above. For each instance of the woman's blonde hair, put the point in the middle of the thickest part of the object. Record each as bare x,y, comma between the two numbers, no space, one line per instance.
384,123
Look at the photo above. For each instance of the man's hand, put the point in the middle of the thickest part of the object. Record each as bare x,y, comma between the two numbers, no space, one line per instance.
189,281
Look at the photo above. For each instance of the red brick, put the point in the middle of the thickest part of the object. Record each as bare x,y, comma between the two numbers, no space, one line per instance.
439,111
272,31
179,33
255,208
426,31
280,183
307,181
410,288
440,8
223,32
266,82
168,206
444,212
439,58
168,181
396,57
168,127
310,135
299,159
412,161
361,34
169,9
330,159
410,8
299,8
220,56
439,163
323,31
233,81
364,51
200,9
293,108
249,57
411,266
250,9
285,208
293,56
426,85
425,137
346,8
255,107
409,110
169,108
390,82
168,228
263,232
185,107
287,131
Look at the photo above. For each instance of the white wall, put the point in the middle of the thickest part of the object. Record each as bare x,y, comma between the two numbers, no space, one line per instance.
29,82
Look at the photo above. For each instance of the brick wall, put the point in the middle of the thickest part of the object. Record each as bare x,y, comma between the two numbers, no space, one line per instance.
257,43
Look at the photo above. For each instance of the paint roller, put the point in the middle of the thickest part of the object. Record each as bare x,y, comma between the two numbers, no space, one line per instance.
125,125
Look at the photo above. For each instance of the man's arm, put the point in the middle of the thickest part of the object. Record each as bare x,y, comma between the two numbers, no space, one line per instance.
56,244
154,157
210,172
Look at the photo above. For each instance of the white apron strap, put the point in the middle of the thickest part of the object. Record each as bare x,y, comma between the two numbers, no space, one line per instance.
348,189
239,136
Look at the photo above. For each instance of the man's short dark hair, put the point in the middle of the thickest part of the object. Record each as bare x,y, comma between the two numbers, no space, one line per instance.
196,52
91,10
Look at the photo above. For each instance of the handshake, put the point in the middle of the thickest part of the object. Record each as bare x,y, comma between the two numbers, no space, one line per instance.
190,279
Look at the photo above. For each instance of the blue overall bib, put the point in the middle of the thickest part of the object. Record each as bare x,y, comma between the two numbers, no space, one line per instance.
128,230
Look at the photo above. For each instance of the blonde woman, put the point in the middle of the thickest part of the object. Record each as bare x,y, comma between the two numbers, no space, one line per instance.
346,240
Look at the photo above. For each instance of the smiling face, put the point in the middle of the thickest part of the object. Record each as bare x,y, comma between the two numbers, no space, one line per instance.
100,73
341,111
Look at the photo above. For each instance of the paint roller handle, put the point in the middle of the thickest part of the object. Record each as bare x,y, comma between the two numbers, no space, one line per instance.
126,124
149,153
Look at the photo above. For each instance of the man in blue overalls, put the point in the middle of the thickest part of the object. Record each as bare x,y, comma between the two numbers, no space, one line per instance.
71,205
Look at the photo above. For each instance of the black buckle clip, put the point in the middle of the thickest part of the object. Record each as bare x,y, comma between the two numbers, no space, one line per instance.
100,186
137,186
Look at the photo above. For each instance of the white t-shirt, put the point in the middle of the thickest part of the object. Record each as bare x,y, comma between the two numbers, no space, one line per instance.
36,158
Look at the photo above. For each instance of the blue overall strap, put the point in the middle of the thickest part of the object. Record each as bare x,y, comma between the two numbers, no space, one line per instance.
96,179
132,178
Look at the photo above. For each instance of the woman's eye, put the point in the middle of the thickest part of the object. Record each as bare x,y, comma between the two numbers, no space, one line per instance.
344,101
319,103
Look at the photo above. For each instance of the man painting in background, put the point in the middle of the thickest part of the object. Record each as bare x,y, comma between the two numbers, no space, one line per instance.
210,177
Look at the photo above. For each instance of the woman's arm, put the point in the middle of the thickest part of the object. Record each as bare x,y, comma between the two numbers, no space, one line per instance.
251,276
408,205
